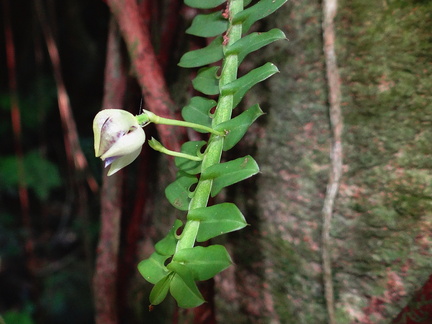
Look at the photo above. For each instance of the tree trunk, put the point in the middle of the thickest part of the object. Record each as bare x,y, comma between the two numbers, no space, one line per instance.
380,238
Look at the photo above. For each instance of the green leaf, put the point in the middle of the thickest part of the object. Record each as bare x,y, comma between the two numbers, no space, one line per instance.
242,85
40,174
203,262
153,269
217,220
209,54
183,287
238,126
204,4
160,289
208,25
207,81
228,173
178,193
253,42
13,316
198,111
186,165
258,11
167,245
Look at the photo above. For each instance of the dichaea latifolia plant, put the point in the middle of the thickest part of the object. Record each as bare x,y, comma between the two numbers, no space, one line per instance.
177,263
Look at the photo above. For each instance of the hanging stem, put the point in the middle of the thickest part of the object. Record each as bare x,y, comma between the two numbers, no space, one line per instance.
223,113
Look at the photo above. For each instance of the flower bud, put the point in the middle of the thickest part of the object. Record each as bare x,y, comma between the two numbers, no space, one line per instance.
118,138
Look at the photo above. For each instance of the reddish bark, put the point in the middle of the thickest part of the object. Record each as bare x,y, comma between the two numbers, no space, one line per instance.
419,310
105,278
77,162
169,29
16,127
133,228
147,69
150,76
75,156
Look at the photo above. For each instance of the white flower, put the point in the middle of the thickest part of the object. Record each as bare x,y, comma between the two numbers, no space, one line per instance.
118,138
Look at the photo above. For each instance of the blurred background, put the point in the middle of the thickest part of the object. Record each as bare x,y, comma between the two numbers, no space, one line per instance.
68,256
49,216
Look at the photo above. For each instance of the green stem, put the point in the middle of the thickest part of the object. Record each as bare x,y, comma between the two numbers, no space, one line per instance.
223,113
148,116
157,146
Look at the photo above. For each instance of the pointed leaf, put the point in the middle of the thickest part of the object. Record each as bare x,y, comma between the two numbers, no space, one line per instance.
253,42
186,165
209,54
167,245
203,262
160,289
228,173
153,269
238,126
183,287
207,81
178,192
242,85
258,11
204,4
208,25
217,220
198,111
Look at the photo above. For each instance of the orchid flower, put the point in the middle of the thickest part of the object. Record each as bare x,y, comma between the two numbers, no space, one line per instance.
118,138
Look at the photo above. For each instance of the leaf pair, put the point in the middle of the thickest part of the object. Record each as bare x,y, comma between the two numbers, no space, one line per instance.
214,52
198,111
179,276
223,175
182,287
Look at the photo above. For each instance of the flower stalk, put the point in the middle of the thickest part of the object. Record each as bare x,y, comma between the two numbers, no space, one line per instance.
149,117
157,146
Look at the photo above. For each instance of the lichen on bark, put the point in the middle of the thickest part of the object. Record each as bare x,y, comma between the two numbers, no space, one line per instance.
381,231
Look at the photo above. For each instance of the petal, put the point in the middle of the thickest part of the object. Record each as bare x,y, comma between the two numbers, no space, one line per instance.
108,126
121,162
108,161
126,143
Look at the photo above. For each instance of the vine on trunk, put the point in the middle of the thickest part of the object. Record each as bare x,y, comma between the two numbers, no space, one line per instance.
333,81
178,263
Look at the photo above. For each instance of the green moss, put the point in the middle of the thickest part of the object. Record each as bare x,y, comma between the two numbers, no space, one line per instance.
385,53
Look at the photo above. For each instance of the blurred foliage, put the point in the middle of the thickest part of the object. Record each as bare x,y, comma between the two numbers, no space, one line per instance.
40,174
14,317
57,287
56,303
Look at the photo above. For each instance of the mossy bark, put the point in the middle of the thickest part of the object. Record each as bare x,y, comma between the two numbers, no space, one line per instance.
381,232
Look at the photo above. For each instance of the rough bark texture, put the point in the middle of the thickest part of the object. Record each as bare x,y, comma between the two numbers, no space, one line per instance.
146,67
105,279
381,232
105,282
